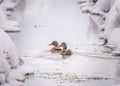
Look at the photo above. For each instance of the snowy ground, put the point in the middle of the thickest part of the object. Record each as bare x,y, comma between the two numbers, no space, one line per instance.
77,70
62,20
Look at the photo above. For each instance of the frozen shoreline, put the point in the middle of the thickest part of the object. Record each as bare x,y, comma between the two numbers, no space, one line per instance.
76,70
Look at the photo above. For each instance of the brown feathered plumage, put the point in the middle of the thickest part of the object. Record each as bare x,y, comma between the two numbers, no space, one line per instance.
55,48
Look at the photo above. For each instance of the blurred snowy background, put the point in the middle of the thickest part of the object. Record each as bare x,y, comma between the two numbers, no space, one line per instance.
89,27
48,20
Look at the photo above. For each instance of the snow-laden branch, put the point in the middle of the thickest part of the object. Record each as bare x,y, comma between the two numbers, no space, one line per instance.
12,69
6,9
104,21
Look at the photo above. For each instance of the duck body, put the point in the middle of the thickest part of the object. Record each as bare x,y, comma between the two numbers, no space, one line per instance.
66,52
63,46
55,48
62,49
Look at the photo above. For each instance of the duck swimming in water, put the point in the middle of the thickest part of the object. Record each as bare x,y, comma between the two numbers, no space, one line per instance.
64,51
55,48
63,46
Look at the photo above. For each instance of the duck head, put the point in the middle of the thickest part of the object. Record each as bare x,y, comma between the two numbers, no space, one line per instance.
54,43
63,45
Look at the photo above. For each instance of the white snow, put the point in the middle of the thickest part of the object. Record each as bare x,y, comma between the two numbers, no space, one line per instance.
8,46
104,22
43,21
2,78
4,66
9,59
25,69
16,75
6,23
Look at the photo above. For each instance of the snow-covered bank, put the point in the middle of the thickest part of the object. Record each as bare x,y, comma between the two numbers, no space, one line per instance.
11,73
104,22
7,23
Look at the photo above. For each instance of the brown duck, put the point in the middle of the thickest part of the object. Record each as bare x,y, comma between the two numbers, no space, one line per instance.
55,48
63,45
65,52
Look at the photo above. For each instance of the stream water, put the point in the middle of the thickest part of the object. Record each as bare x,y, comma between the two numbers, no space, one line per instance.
61,21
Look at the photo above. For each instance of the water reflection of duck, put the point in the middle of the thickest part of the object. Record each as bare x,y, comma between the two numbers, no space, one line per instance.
64,50
56,48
